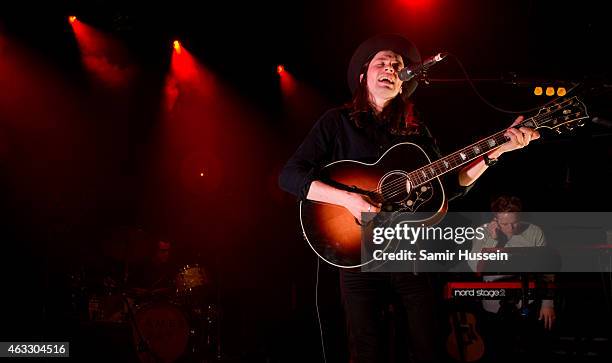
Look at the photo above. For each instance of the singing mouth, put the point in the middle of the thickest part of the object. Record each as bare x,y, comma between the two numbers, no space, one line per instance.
386,80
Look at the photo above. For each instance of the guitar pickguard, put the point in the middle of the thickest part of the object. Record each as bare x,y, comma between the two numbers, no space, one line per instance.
417,198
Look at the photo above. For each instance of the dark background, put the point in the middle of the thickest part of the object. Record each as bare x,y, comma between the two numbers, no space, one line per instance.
81,163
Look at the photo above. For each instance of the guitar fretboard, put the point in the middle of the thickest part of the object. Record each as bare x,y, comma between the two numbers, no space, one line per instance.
461,157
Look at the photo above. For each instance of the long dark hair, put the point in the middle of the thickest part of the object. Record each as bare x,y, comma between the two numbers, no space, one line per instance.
399,114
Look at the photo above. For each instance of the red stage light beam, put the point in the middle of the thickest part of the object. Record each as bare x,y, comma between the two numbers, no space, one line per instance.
104,57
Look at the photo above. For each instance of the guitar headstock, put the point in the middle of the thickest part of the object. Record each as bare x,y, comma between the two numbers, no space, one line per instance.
563,115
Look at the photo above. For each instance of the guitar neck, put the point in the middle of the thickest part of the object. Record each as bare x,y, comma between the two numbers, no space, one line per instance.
462,157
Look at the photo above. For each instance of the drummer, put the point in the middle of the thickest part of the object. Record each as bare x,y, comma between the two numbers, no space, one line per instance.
156,273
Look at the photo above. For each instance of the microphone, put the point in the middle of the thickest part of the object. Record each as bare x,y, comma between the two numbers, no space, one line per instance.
408,73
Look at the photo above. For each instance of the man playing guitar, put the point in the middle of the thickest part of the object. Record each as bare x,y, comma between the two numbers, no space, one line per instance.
379,116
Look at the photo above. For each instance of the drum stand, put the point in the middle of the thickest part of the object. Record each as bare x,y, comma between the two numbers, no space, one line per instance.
205,345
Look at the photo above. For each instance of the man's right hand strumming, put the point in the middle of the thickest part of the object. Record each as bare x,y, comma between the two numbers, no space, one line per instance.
355,203
359,203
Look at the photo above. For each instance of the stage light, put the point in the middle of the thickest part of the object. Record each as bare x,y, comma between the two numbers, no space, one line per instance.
177,46
538,91
561,91
550,91
280,69
72,19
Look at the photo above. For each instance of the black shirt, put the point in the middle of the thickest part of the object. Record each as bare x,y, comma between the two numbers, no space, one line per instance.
335,136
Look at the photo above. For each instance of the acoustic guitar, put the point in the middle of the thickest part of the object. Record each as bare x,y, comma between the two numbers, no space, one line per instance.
464,344
407,183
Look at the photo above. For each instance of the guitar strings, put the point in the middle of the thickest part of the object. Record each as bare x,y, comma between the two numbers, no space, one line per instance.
397,186
453,157
390,190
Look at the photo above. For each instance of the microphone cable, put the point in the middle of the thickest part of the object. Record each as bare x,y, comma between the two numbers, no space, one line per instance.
318,314
503,110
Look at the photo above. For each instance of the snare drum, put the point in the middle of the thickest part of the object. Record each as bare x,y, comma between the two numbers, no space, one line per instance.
161,332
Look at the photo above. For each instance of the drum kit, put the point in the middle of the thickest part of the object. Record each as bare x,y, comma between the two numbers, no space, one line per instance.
168,324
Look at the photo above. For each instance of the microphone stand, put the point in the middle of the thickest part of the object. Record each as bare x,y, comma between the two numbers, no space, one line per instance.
524,295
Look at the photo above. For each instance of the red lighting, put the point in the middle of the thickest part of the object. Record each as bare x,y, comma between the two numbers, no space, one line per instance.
413,15
72,19
185,76
104,57
184,65
419,4
287,81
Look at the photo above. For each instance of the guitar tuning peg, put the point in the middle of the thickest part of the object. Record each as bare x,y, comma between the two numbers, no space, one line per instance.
558,130
581,123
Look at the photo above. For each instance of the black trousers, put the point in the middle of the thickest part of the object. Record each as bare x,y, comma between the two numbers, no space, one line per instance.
366,297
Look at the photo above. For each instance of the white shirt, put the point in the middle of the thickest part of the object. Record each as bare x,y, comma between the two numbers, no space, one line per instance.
530,236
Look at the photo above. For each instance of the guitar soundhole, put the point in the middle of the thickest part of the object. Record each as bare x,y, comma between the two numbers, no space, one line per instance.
394,187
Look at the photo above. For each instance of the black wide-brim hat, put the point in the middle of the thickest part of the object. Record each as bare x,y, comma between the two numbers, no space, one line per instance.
369,48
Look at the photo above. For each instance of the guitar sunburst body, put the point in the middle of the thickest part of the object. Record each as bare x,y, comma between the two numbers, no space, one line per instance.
332,231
